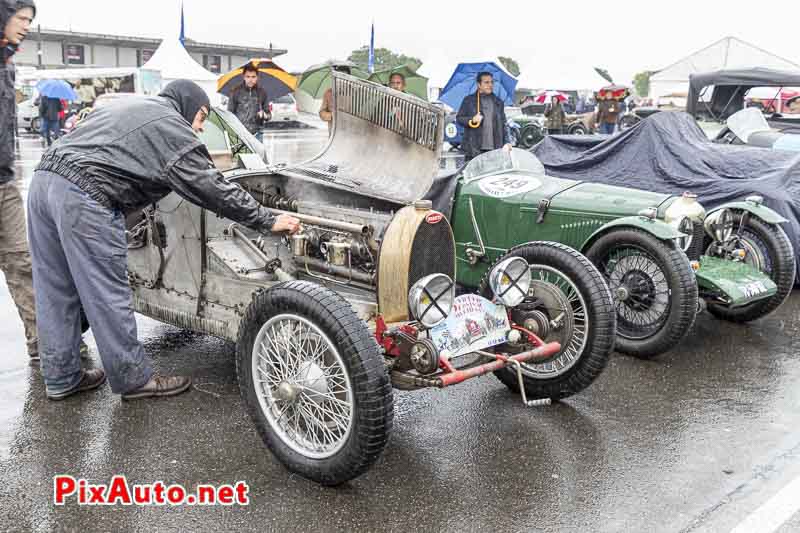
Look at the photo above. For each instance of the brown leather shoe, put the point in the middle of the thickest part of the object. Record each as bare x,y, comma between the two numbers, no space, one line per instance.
90,380
160,386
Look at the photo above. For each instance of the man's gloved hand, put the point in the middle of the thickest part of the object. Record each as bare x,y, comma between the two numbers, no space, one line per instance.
286,223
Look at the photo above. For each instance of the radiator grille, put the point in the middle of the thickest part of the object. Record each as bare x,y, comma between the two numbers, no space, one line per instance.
432,252
409,117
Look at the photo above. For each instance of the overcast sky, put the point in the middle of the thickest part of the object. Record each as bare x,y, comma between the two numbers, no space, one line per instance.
556,43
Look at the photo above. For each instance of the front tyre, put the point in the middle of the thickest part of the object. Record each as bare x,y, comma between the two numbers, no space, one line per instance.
530,135
569,302
769,250
577,129
654,289
314,382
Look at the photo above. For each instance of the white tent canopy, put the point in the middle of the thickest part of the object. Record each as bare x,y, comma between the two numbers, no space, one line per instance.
727,53
175,63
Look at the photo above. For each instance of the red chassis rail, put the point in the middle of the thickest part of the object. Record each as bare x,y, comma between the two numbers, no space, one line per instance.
501,361
449,375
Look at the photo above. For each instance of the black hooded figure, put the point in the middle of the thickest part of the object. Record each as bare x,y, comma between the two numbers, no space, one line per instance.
123,157
188,97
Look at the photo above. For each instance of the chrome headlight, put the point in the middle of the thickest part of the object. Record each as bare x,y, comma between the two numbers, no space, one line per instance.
684,225
719,225
510,280
430,300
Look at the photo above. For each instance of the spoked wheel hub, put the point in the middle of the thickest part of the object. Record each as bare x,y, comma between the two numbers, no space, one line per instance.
637,291
302,386
554,311
641,291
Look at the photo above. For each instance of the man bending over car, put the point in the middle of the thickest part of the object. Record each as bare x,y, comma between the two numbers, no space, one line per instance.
120,159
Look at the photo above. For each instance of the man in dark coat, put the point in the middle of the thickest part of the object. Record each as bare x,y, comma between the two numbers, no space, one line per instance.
121,158
15,261
485,122
49,112
249,102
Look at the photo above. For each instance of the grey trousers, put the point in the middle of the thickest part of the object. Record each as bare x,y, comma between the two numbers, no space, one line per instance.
79,254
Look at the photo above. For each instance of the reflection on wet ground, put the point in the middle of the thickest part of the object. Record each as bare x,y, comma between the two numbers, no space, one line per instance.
651,446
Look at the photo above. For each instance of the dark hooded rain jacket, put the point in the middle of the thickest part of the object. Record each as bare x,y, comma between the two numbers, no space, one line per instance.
136,151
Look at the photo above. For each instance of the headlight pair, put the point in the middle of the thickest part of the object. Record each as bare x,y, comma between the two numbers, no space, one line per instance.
431,298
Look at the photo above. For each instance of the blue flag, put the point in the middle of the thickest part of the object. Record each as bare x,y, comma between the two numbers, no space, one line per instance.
182,38
372,50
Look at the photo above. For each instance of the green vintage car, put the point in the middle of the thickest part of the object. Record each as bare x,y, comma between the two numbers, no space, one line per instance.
658,252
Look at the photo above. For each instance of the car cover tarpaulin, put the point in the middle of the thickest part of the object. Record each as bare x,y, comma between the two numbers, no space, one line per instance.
669,153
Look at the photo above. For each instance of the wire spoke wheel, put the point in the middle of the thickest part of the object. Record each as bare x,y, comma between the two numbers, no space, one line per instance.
559,313
641,290
569,303
302,386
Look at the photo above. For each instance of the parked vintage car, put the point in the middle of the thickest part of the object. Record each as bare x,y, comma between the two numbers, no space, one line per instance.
739,259
532,124
362,299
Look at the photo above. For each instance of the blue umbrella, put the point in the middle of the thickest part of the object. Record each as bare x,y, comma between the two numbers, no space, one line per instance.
463,82
56,89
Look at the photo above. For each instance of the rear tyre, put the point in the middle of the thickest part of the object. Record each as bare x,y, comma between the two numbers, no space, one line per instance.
768,249
314,382
568,302
654,289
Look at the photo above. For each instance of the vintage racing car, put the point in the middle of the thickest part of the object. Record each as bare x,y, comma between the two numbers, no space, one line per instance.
363,298
656,251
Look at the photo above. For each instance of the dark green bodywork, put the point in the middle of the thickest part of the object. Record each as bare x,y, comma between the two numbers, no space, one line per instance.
577,214
732,282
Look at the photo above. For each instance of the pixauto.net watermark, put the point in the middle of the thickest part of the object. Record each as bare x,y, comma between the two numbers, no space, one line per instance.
119,492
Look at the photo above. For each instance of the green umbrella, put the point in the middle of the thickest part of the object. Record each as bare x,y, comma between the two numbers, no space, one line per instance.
317,79
416,84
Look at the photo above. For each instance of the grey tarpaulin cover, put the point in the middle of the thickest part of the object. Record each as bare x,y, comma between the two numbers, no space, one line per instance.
669,153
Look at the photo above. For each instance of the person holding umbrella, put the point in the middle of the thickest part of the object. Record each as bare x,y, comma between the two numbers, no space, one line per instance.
52,92
397,81
249,102
484,119
555,116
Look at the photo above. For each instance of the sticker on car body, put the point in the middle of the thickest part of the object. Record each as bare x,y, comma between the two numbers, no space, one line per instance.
475,323
503,186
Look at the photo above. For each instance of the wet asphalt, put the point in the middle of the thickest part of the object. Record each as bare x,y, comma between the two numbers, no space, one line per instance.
693,441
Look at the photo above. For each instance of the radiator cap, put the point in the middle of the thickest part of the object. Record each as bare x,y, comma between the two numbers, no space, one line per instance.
423,205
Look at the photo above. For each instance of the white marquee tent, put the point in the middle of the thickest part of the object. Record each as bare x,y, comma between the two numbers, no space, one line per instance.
175,63
727,53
